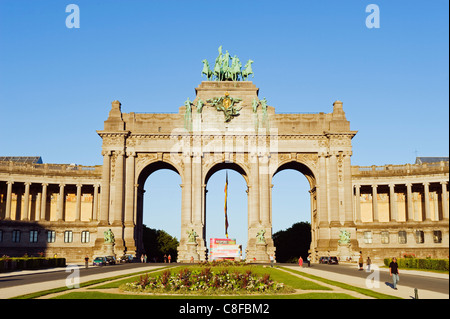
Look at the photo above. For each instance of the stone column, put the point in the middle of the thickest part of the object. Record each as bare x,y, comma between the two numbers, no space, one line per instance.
254,210
375,203
358,203
95,203
444,201
8,200
26,202
197,188
435,206
322,197
43,200
186,193
348,189
426,192
265,191
78,205
61,199
129,220
409,201
129,189
38,205
392,203
106,178
334,190
118,177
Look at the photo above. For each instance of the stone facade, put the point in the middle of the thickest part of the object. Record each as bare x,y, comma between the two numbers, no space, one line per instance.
83,202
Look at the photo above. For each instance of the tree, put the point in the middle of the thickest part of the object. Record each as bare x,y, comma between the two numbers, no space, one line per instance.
158,243
293,242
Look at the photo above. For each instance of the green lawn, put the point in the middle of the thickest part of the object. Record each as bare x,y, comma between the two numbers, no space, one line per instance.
277,275
302,284
102,295
290,280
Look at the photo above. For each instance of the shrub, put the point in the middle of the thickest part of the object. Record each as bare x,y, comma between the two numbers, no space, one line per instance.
28,263
420,263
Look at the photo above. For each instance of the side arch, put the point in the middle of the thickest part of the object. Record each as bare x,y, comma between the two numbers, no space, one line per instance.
300,167
142,174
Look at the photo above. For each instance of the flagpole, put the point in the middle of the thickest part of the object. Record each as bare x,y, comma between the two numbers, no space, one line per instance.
225,205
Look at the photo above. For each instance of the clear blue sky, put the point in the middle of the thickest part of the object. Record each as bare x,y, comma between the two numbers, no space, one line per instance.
57,84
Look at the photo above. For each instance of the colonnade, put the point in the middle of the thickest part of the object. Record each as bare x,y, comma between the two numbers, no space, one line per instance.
425,201
33,200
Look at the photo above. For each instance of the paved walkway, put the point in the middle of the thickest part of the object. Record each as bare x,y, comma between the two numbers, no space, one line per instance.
381,287
11,292
402,292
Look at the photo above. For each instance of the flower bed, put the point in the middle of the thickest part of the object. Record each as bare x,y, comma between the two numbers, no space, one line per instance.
207,281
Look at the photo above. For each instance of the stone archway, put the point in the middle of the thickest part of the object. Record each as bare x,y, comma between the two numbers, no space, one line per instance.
305,170
256,140
143,174
212,169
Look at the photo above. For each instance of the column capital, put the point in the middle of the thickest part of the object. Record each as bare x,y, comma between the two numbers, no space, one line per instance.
408,184
44,184
79,185
27,183
62,185
443,182
391,185
119,152
333,153
131,153
347,153
9,182
374,186
106,152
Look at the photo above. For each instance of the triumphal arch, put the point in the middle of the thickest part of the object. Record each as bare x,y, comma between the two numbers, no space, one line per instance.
227,125
380,211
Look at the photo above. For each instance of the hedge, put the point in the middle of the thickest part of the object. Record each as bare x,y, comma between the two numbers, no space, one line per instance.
27,263
419,263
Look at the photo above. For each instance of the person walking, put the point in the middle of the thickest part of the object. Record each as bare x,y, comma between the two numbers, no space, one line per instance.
368,262
142,258
165,258
169,258
393,271
360,262
145,258
309,260
272,259
86,261
300,261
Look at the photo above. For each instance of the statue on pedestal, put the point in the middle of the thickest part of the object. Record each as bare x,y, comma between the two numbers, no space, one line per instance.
109,236
192,235
344,237
260,239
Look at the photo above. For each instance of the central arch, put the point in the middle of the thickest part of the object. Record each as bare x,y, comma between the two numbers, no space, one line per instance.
239,169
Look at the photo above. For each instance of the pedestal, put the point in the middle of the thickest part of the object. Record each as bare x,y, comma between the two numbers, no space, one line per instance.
258,254
107,249
344,252
192,252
